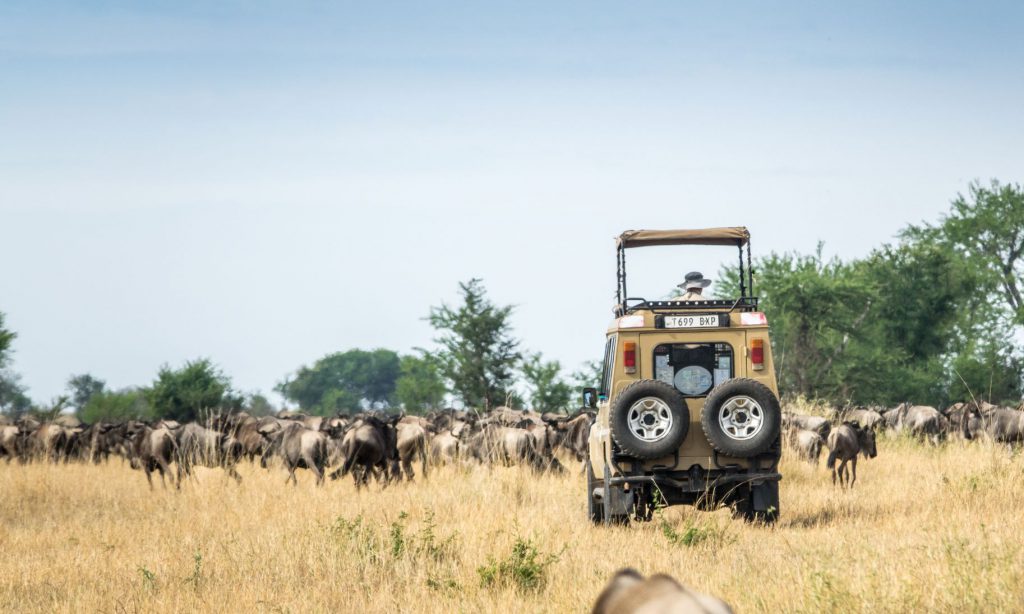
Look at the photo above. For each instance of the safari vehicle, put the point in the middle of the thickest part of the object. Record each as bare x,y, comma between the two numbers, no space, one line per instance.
688,408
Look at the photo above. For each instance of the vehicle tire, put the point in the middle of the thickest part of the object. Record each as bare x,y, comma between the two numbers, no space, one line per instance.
595,509
741,418
649,419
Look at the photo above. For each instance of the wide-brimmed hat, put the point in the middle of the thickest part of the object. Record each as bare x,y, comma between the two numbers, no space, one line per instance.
695,280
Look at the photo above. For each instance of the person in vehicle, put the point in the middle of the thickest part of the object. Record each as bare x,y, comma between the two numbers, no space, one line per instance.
693,284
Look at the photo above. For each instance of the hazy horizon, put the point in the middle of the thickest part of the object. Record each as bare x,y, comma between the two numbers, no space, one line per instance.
265,184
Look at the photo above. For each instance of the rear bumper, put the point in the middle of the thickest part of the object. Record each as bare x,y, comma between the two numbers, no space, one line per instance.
695,482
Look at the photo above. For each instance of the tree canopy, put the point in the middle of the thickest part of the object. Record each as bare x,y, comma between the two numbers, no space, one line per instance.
478,353
548,391
929,319
342,381
420,386
192,391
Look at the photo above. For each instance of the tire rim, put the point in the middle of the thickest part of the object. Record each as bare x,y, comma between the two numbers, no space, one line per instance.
741,418
649,419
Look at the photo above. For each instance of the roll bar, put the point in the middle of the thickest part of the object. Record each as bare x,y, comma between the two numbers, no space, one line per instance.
733,235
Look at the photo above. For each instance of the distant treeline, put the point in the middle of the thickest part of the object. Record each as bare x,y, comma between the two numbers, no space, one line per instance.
934,318
476,362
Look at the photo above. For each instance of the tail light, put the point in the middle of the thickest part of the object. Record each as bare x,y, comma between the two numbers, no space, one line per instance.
629,356
757,353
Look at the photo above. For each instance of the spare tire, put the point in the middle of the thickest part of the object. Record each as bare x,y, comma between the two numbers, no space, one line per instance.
649,419
741,417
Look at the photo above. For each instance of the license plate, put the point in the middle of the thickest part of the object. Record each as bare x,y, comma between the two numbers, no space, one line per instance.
705,320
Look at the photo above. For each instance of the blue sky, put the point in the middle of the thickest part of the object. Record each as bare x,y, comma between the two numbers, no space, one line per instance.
263,183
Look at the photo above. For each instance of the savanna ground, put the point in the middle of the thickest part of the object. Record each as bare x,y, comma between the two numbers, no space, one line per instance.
925,529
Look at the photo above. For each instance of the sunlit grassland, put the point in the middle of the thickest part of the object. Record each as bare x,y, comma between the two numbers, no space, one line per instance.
936,529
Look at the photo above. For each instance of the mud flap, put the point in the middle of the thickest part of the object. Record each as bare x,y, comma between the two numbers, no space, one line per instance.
764,497
617,502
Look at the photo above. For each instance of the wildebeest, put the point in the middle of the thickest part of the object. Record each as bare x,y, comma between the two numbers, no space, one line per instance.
410,445
299,446
9,445
867,418
807,444
628,592
367,448
154,449
844,443
198,445
573,434
47,441
810,423
445,445
998,423
918,420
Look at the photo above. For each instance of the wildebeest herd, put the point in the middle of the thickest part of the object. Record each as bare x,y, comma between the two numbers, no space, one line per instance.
852,432
369,445
386,448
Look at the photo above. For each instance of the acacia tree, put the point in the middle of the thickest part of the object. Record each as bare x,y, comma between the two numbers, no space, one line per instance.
82,388
478,353
547,390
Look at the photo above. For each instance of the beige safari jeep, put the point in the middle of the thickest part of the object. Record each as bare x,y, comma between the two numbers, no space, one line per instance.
688,407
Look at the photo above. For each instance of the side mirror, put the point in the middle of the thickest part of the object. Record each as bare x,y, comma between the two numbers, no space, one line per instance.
590,398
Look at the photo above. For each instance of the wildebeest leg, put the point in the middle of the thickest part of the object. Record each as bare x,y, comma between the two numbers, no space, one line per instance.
853,463
423,460
843,476
318,471
165,467
231,471
291,475
149,478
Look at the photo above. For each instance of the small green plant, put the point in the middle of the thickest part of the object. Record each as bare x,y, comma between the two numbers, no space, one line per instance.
398,536
525,568
196,579
148,579
447,585
690,536
427,541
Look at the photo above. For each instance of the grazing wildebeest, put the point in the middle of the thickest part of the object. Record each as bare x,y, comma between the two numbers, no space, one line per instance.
303,447
154,449
411,444
367,448
493,443
9,442
47,441
445,446
844,443
918,420
198,445
807,444
810,423
998,423
573,433
628,592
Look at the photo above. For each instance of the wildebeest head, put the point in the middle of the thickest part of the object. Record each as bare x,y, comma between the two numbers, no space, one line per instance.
866,439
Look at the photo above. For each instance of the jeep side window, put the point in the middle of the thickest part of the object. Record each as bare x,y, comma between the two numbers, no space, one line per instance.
693,368
609,364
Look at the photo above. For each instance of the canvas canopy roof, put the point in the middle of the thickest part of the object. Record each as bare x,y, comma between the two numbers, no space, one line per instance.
735,235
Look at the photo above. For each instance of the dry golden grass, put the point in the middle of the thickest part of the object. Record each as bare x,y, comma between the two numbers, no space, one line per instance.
926,529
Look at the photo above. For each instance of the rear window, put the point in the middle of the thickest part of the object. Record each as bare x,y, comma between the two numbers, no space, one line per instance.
693,368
